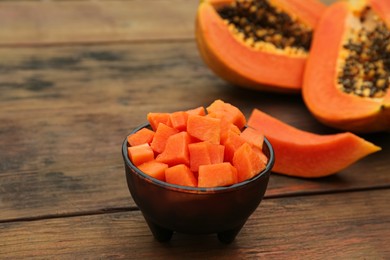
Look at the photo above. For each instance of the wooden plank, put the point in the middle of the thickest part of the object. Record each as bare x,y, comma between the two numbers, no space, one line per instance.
62,22
53,22
339,226
64,112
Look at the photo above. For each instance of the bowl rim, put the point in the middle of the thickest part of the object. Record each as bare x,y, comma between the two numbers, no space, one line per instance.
188,189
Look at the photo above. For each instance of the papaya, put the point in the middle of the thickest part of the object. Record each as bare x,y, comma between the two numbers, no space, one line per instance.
347,77
257,44
308,155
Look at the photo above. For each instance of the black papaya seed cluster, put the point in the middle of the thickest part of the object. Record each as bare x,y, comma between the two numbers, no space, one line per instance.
366,70
258,21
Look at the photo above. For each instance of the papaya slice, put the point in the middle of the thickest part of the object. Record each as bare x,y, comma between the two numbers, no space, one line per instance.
260,44
347,77
304,154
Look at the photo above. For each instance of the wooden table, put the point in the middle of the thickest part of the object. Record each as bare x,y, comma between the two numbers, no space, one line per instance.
77,76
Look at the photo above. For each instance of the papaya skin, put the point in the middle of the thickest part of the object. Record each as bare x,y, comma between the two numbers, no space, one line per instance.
243,66
307,155
325,101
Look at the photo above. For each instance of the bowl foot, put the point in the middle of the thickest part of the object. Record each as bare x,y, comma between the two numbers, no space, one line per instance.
160,233
228,236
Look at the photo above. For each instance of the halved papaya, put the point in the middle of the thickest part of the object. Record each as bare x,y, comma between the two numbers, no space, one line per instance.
303,154
259,44
347,77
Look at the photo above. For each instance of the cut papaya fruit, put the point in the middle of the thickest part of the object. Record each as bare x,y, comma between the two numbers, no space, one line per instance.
199,155
180,175
347,77
204,128
215,175
227,113
176,150
260,44
154,169
143,136
140,154
247,162
304,154
179,120
155,119
163,132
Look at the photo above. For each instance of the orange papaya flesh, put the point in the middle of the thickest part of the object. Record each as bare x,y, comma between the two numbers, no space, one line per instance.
204,128
304,154
161,136
140,154
247,162
176,150
143,136
180,175
155,119
214,175
248,52
199,155
347,77
185,145
227,113
254,137
216,152
179,120
154,169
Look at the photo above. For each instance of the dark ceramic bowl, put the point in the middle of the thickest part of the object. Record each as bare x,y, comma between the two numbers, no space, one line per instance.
222,210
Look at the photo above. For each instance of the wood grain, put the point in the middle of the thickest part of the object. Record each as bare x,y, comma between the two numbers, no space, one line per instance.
66,110
310,226
64,22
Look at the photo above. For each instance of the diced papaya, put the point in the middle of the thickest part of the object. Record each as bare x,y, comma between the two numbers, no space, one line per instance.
176,150
247,162
143,136
161,136
180,175
199,155
232,143
179,120
140,154
154,169
227,111
214,175
204,128
253,137
156,118
199,111
216,152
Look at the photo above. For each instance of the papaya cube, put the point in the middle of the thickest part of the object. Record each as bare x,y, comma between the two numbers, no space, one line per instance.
161,136
179,120
176,150
216,152
204,128
154,169
228,112
155,119
143,136
180,175
215,175
199,111
199,155
247,162
232,143
253,137
140,154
